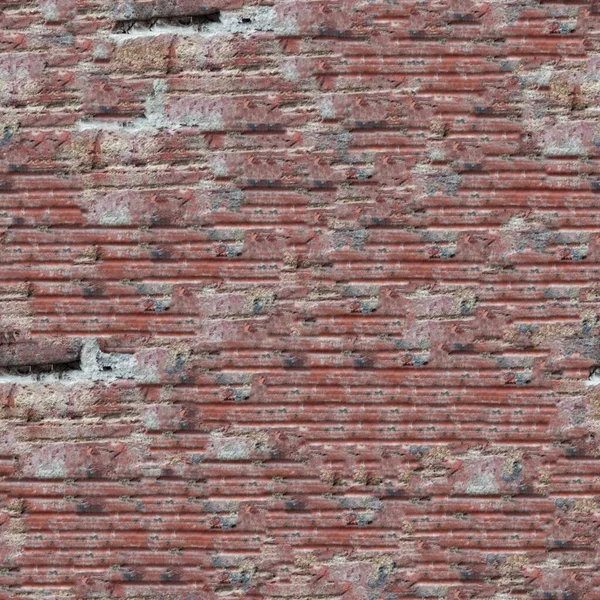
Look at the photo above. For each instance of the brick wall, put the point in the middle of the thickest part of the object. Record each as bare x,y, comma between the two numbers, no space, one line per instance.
299,300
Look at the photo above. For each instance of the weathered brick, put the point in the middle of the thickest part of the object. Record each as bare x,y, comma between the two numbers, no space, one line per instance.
298,300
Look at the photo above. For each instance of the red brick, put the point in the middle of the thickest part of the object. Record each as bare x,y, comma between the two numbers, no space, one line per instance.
299,301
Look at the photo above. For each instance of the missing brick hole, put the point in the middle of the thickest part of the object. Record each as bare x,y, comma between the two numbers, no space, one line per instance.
57,369
193,21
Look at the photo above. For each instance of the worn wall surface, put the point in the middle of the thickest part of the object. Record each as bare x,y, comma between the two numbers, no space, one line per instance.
299,300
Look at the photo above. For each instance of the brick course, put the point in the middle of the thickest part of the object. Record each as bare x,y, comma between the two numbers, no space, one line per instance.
299,300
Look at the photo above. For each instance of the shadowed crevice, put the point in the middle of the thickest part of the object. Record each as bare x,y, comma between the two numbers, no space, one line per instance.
185,21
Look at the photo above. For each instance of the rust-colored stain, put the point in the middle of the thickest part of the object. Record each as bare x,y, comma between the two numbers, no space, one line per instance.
299,300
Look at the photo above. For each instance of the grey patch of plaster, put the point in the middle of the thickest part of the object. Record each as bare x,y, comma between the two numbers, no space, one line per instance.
251,19
218,164
87,124
484,483
289,71
155,106
151,420
119,216
569,146
51,469
326,107
108,209
515,223
98,365
207,117
50,10
231,448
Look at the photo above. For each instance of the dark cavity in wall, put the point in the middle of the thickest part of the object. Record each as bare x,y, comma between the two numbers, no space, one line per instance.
196,21
42,369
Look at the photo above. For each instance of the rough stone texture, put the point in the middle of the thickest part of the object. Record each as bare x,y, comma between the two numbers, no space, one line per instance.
299,300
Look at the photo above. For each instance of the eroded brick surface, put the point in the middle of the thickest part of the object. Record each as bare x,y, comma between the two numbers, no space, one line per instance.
299,300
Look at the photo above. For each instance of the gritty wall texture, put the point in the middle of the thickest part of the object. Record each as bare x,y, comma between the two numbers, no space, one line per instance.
300,300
